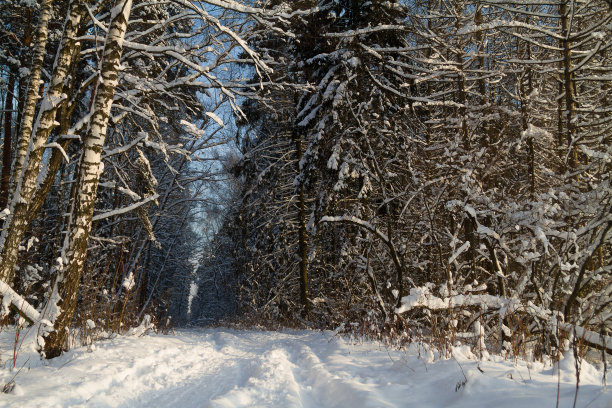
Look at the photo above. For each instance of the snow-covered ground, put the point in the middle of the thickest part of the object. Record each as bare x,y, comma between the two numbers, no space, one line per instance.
230,368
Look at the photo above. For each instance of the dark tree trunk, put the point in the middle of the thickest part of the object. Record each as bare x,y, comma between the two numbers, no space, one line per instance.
7,142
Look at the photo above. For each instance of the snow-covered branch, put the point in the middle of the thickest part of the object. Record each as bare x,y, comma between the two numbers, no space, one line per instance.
357,221
423,298
126,209
12,299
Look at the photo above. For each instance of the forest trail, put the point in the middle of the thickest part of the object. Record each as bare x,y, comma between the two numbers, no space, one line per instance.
230,368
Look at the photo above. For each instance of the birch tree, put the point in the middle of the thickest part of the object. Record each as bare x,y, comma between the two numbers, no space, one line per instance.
75,249
169,66
27,120
36,136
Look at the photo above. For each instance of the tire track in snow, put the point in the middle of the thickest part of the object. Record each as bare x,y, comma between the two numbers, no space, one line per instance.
219,368
267,381
131,372
324,387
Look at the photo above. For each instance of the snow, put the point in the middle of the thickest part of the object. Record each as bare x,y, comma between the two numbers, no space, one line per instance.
357,221
58,147
9,296
423,297
125,209
215,118
193,292
128,282
462,249
230,368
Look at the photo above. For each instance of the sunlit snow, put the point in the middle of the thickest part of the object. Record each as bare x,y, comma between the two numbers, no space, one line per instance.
231,368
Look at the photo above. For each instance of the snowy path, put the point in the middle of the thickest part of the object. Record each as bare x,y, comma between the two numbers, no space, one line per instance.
228,368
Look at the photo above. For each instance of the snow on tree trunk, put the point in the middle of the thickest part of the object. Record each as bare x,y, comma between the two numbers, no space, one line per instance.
75,248
27,120
19,217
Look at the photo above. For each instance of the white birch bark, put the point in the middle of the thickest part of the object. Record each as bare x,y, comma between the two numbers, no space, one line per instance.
37,135
27,120
63,300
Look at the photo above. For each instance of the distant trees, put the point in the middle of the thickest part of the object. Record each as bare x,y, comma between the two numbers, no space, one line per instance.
448,150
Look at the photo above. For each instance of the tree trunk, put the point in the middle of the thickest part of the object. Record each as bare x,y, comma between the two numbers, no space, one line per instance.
21,214
75,247
7,142
569,86
27,120
524,95
54,163
21,86
302,238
